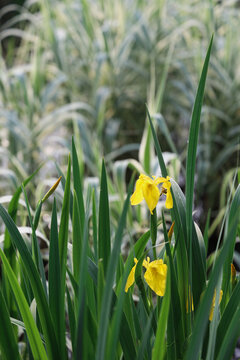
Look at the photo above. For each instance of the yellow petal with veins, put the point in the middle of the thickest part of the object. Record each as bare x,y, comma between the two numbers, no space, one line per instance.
156,275
151,195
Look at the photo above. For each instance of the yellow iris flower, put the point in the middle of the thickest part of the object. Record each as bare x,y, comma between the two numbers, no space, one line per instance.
155,275
147,188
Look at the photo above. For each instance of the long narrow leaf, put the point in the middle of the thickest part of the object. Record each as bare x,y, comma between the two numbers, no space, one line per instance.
80,343
32,273
192,147
230,339
204,308
116,322
175,323
107,295
31,328
54,279
77,185
76,238
63,228
8,246
227,266
8,341
227,316
157,147
104,241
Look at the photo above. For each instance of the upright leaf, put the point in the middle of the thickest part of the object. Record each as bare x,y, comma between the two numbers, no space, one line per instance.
192,150
227,266
77,185
76,238
31,328
232,334
204,307
8,340
63,228
157,147
80,346
54,281
104,241
40,295
8,246
107,295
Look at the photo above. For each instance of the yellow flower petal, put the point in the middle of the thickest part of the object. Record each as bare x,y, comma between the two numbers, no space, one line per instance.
214,303
131,277
151,195
146,178
167,187
137,196
169,200
146,262
146,188
160,180
156,275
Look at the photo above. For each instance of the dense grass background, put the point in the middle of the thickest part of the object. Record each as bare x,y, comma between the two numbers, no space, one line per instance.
88,69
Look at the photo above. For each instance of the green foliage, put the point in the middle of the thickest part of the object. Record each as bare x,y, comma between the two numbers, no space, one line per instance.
76,306
100,318
92,68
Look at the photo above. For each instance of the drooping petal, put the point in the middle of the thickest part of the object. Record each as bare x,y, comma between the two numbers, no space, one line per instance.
151,195
156,275
167,186
131,277
160,180
169,199
137,196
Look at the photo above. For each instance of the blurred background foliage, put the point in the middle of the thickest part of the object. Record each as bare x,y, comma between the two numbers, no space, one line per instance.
87,69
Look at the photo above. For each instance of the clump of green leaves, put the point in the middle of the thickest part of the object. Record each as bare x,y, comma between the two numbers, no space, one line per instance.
78,308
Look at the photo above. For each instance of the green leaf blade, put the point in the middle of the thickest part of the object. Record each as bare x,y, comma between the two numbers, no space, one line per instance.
8,343
104,240
39,293
31,328
192,144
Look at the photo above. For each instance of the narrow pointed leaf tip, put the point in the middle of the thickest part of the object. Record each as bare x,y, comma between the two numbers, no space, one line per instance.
147,189
52,189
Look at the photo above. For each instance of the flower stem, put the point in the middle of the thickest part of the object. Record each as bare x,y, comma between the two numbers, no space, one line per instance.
153,231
